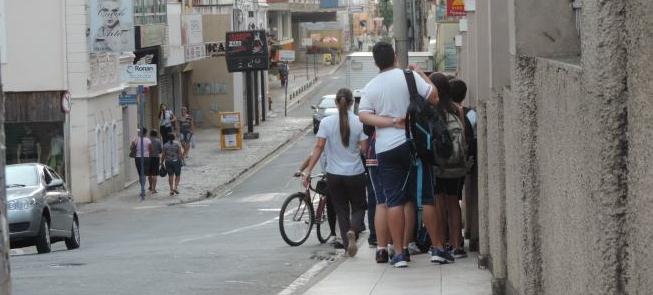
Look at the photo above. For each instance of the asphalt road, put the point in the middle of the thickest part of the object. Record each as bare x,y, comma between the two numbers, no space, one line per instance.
227,245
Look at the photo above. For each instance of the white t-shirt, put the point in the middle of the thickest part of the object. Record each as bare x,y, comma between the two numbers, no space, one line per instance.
342,160
387,96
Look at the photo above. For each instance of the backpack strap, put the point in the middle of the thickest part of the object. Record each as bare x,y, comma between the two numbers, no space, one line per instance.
412,90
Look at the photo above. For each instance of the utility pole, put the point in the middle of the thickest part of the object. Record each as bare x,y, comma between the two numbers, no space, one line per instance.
5,273
400,32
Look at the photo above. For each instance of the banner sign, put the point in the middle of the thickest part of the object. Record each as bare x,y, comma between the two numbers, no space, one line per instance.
456,8
112,26
214,49
247,51
141,75
192,31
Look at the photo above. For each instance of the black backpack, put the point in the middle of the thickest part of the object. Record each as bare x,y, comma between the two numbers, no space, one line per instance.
425,129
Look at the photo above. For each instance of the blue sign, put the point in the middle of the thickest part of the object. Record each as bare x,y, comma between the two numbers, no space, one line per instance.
126,99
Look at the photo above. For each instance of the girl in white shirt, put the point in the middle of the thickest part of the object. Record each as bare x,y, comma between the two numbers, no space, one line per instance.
343,139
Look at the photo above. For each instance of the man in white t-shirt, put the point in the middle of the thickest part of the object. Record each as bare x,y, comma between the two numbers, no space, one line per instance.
384,102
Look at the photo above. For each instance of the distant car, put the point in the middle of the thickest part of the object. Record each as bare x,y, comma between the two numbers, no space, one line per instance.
327,107
40,209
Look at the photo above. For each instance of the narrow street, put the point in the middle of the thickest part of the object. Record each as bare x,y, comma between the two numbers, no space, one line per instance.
227,245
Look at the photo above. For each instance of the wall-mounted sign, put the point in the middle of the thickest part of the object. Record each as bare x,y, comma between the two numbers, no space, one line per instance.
307,42
247,51
111,25
463,26
215,48
140,75
459,40
194,52
149,35
456,8
470,5
286,55
127,97
192,32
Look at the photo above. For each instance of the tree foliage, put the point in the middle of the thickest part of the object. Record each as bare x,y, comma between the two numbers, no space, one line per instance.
385,11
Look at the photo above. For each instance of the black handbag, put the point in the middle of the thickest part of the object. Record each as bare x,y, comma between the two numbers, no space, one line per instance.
162,171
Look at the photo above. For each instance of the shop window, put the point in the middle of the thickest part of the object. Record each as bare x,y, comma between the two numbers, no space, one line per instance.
107,151
114,149
99,159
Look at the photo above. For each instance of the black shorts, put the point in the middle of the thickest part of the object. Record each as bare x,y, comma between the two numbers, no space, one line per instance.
449,186
397,175
423,185
173,168
146,165
154,166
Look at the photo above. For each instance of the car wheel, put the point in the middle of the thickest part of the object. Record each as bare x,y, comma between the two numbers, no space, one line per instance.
74,241
43,244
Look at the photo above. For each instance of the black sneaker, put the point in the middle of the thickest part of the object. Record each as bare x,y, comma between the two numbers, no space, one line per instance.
459,253
381,256
441,256
406,254
372,243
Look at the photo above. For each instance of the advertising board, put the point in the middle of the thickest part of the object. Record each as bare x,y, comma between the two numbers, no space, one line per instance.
111,26
247,51
145,75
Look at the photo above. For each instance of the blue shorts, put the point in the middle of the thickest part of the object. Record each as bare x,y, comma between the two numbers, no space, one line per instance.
376,190
397,175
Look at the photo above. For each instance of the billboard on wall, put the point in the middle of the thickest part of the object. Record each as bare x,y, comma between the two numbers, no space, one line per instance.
456,8
247,51
111,25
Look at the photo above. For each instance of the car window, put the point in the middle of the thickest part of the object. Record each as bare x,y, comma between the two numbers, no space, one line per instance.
21,176
47,176
54,174
328,103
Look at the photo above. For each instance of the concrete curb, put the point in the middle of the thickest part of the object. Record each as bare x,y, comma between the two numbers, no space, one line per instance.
215,193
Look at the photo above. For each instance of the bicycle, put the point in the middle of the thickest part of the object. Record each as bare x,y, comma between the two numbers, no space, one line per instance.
298,214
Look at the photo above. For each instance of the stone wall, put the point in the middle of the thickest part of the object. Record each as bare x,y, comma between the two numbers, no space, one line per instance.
565,153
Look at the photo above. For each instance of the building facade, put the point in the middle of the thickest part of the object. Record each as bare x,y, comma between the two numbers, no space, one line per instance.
563,95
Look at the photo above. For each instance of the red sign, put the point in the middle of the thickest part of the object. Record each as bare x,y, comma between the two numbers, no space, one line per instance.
246,51
456,8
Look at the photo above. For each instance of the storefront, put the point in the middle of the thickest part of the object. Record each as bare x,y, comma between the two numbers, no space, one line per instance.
34,128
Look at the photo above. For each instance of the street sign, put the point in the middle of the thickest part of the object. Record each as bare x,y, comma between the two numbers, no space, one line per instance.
126,99
247,51
286,55
140,75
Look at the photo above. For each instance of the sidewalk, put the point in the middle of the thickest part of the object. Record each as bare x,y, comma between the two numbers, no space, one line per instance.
209,170
361,275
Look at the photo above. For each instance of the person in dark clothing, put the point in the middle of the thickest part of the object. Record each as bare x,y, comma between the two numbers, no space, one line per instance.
155,160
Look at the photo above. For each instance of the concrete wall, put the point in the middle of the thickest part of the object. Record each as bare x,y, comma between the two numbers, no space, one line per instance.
565,146
35,51
639,25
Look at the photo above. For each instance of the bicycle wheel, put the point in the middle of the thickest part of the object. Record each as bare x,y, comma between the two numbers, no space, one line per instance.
296,219
322,222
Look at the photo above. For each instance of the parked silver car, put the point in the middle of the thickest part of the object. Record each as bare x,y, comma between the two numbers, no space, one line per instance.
40,209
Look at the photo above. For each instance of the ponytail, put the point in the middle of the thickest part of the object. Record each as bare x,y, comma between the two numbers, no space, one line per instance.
344,99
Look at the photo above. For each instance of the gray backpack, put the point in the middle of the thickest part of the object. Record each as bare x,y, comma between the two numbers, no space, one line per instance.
457,164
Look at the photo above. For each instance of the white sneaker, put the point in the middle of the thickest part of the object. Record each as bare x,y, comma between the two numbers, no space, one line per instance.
413,249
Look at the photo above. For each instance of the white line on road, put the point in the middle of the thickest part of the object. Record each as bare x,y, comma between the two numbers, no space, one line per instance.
304,278
270,209
148,207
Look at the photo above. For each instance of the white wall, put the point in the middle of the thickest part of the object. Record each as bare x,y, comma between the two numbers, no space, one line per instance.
35,51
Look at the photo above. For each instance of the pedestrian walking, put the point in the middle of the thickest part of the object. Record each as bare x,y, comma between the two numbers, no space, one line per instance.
342,138
186,130
167,120
155,160
144,153
448,188
172,156
384,103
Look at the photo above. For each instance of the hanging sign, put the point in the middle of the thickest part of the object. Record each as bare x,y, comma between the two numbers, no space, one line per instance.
141,75
247,51
456,8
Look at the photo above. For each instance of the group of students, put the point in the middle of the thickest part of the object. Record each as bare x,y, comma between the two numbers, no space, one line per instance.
390,171
163,156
